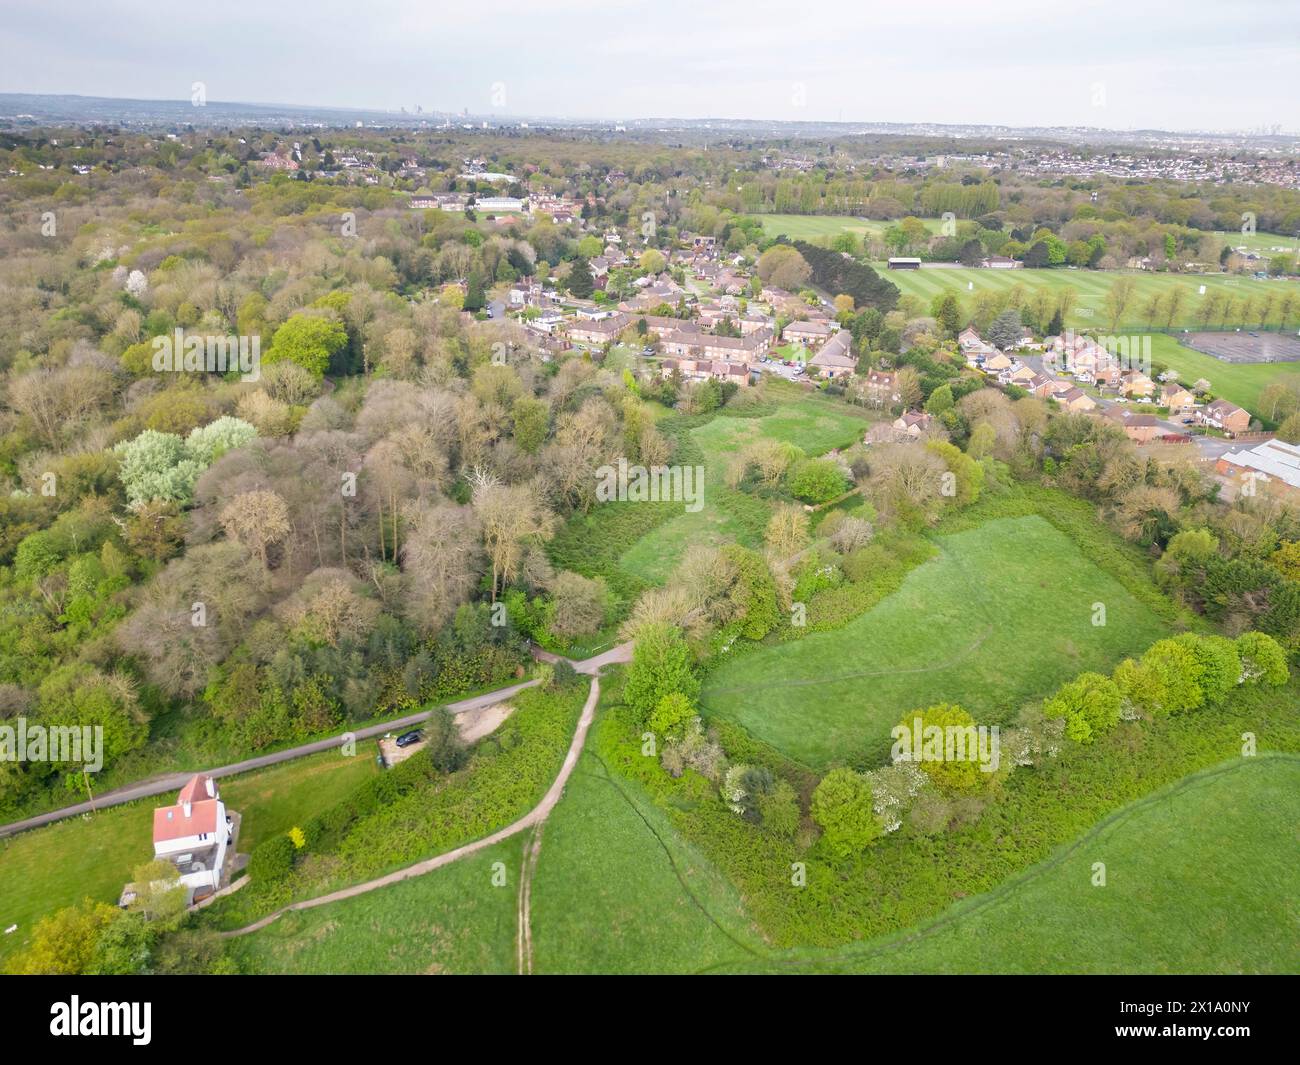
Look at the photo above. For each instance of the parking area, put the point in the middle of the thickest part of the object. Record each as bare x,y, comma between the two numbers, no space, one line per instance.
780,369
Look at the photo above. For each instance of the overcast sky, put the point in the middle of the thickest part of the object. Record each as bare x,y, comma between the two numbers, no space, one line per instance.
1115,63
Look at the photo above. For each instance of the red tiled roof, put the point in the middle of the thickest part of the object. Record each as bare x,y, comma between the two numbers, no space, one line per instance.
170,822
196,789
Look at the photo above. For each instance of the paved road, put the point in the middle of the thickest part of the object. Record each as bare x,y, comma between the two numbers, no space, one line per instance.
175,781
535,816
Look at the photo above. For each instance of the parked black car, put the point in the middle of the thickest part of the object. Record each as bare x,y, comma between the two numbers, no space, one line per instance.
408,738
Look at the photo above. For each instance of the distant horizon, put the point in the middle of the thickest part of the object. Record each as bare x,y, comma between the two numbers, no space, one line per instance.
505,117
1104,64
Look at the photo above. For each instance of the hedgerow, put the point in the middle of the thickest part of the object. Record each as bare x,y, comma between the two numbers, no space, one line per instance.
910,875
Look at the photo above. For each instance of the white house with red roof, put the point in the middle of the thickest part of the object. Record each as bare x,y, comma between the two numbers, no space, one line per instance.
193,834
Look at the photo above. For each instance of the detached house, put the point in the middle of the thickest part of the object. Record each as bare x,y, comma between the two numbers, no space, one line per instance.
194,834
1178,399
1136,385
836,356
1140,428
882,387
1221,414
1076,400
913,423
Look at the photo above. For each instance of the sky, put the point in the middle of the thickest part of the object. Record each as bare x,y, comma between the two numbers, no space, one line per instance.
1119,64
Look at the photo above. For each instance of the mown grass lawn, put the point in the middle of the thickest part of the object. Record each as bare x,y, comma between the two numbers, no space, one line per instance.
1203,877
1003,614
63,863
816,227
453,920
617,890
1090,285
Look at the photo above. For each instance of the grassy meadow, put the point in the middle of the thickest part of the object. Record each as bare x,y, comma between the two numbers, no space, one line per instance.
617,890
1003,614
1200,878
453,920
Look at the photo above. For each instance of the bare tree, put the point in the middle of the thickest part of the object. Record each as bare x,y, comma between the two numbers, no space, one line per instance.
258,519
442,559
512,517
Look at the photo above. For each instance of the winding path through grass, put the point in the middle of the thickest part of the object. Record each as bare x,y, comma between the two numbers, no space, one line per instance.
534,817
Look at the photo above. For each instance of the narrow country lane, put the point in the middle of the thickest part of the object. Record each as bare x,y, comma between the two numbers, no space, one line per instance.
175,781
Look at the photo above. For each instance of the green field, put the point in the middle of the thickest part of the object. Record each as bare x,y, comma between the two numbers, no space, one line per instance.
453,920
617,890
1266,244
816,227
1002,615
59,865
1203,877
1239,383
655,555
1091,286
814,424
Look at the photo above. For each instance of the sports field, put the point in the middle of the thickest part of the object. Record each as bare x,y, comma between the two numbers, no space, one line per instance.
1239,383
1002,615
1090,285
816,227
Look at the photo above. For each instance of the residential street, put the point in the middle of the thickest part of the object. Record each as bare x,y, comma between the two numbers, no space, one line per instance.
1209,447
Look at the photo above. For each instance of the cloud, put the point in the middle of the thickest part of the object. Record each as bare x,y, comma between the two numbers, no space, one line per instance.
1015,62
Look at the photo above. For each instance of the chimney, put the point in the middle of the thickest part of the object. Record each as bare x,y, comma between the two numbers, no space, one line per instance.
187,807
212,788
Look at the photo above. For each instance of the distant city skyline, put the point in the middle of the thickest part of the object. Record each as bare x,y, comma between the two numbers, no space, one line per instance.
1106,64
